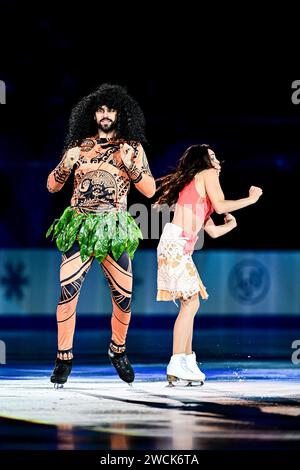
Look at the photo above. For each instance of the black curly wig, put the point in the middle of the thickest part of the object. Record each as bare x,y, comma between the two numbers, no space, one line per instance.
130,120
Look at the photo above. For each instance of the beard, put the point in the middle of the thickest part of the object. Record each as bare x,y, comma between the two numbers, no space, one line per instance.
106,125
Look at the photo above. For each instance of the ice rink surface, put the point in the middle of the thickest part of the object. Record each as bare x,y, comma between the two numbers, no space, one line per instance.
241,406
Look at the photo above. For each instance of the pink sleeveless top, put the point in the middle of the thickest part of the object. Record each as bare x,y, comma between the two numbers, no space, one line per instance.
201,207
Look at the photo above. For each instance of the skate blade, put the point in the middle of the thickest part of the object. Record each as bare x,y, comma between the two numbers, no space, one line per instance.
183,382
171,379
58,386
198,383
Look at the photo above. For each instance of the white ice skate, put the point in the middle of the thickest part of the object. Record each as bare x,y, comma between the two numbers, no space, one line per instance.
191,363
178,370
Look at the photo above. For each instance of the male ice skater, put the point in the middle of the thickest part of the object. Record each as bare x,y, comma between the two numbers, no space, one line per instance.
104,150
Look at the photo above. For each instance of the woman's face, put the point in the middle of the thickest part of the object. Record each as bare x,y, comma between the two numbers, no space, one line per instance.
215,162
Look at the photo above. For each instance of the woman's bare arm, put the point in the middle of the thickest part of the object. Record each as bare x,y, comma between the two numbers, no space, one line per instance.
217,198
216,231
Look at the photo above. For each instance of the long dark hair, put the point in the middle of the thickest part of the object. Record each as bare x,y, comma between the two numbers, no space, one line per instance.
196,158
130,120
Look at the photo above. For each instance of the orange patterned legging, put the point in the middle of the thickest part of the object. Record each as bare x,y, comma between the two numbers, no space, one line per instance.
72,274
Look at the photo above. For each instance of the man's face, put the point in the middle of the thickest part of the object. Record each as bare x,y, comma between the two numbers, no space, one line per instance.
106,118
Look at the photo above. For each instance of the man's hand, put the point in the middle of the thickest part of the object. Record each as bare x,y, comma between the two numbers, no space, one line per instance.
127,154
72,157
255,193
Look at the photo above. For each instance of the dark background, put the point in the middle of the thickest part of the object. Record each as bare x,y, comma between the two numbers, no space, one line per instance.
52,58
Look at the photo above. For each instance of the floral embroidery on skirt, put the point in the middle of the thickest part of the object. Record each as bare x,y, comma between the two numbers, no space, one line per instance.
177,275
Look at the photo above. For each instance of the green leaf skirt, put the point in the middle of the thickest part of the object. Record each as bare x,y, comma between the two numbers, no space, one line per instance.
96,234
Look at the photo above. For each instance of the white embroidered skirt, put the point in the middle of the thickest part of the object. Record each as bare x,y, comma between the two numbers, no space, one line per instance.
177,276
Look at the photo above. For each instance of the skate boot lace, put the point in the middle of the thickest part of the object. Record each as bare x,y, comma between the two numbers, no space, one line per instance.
122,361
61,368
183,365
122,365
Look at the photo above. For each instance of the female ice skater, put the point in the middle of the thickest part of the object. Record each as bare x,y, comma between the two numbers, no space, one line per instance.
103,148
195,190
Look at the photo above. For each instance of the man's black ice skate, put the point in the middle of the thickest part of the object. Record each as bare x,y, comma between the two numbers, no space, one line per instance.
122,365
61,372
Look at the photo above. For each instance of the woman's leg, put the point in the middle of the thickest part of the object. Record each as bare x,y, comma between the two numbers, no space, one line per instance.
119,276
183,328
189,343
72,274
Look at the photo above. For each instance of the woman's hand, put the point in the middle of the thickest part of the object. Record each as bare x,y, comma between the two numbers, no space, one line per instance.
127,154
229,219
71,158
255,193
